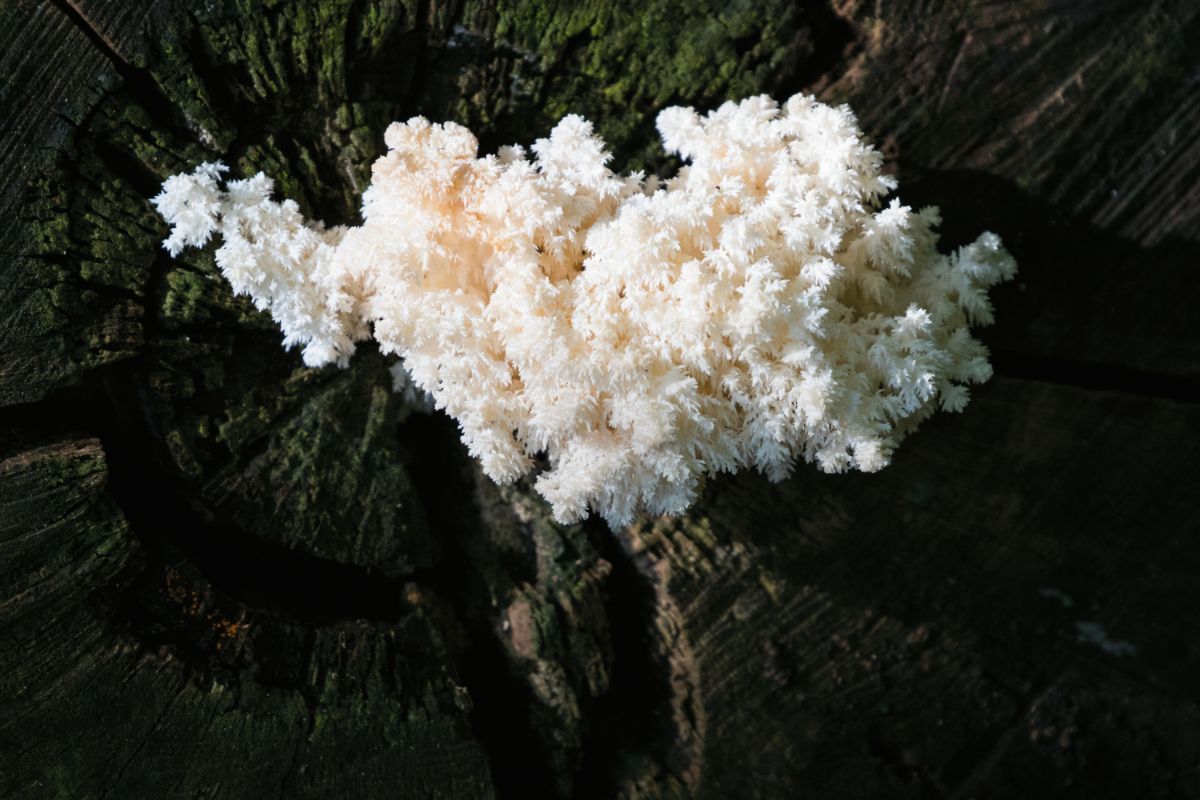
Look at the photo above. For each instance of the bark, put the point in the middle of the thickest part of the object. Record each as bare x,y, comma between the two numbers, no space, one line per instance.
226,575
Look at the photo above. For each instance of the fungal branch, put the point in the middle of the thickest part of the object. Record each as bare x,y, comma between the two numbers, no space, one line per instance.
758,308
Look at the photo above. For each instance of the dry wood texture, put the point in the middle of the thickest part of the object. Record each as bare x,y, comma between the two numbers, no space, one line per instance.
224,575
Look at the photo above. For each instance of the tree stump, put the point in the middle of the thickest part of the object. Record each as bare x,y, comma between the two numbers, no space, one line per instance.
226,575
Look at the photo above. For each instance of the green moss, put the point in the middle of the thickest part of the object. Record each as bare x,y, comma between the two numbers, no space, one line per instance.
246,419
1156,54
86,244
57,777
181,454
619,64
769,585
184,290
116,224
41,310
327,455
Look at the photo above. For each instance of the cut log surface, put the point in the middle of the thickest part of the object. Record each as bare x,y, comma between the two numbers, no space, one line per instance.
224,575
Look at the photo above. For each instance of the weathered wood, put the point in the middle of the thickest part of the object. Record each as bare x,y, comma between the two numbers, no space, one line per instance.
1073,130
55,325
336,477
135,679
226,575
935,629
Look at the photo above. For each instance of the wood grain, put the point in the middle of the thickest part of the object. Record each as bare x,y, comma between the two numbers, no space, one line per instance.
229,576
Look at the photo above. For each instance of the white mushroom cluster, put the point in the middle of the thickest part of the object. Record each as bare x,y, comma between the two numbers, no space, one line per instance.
757,308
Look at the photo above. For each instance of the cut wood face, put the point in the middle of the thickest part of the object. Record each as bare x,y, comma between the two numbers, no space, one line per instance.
226,575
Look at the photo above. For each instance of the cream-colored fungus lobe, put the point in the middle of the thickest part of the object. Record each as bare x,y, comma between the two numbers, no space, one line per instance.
757,308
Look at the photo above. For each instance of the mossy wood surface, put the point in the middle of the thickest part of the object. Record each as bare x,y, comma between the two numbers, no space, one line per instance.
225,575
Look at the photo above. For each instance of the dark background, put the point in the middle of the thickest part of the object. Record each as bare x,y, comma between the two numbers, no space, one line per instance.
224,575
